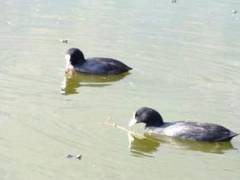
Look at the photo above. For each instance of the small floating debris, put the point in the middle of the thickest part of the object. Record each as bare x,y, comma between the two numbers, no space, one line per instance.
64,41
234,11
79,157
71,156
174,1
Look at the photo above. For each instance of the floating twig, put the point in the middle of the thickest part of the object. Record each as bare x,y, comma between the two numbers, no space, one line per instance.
113,124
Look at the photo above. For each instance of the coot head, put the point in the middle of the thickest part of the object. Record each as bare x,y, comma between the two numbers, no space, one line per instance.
73,57
148,116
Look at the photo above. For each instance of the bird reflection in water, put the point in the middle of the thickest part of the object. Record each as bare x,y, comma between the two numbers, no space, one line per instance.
148,145
143,146
72,82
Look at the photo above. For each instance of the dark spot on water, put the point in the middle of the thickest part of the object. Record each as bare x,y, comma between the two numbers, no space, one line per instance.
69,156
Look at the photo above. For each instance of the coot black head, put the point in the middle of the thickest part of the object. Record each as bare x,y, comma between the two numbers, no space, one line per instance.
75,56
148,116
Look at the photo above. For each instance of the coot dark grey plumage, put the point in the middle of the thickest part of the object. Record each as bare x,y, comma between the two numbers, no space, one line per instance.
181,129
76,61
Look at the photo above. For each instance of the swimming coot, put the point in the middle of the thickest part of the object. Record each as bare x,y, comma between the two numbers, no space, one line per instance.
75,61
181,129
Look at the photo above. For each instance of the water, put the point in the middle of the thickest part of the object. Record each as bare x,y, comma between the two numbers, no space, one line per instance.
185,57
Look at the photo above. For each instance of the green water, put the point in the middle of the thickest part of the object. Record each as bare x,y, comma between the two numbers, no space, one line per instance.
186,64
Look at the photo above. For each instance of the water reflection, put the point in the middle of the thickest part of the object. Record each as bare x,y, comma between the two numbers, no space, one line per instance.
147,145
143,146
72,82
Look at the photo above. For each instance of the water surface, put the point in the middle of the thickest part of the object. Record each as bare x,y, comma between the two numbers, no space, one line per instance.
186,64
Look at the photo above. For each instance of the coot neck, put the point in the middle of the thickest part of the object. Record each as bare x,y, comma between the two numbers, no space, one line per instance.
154,123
